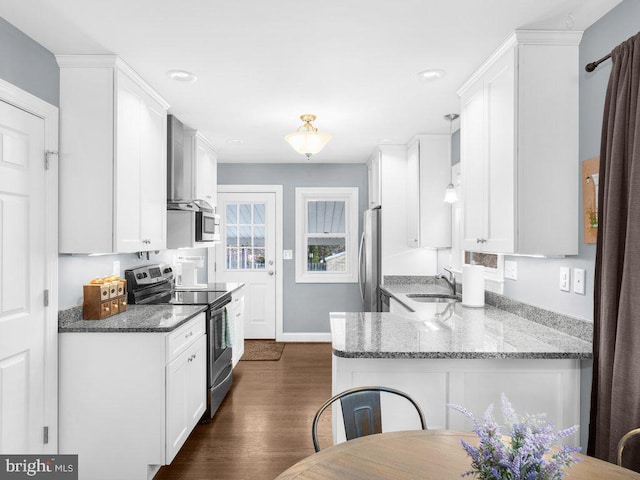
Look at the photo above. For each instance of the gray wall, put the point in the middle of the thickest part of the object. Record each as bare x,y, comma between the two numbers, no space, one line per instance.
306,306
28,65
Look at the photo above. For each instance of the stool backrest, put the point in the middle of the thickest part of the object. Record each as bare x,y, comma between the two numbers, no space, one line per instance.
361,412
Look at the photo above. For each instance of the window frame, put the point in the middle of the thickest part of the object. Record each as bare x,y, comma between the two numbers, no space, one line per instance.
303,196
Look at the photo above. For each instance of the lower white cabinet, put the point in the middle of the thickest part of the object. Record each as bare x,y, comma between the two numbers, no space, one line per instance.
186,395
129,400
235,312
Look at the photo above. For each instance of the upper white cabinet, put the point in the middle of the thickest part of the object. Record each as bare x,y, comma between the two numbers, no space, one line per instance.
375,184
205,161
201,167
113,149
519,147
428,174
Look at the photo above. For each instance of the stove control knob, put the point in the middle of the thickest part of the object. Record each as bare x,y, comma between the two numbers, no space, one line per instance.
167,270
139,276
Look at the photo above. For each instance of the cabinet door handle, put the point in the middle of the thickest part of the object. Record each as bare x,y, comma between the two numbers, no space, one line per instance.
188,335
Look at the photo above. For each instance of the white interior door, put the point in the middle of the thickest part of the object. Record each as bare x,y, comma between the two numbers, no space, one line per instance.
22,281
247,253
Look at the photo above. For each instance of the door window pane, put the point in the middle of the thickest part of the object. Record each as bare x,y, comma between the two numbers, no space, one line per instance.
245,236
245,214
258,213
258,236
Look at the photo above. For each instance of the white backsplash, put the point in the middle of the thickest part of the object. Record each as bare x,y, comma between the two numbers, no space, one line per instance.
76,270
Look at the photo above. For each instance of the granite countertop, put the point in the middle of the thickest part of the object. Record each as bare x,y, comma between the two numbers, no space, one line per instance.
441,331
137,318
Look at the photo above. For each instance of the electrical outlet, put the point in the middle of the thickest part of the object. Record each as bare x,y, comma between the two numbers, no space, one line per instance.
287,254
578,281
565,278
116,267
511,269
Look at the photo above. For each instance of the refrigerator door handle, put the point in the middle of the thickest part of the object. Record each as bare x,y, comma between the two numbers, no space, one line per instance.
362,277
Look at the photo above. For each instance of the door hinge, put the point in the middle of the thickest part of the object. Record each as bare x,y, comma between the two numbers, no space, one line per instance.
45,435
215,266
46,298
47,154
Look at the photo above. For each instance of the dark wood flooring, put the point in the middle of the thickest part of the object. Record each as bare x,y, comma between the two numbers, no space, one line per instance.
264,424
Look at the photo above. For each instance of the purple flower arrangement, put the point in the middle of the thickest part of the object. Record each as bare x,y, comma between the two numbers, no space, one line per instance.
525,454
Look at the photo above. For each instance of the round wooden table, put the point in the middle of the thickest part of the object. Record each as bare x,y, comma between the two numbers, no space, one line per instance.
419,455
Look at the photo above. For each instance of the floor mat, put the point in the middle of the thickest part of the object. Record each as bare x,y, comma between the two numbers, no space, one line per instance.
262,350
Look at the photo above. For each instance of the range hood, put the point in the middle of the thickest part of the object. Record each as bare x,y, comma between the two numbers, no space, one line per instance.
180,172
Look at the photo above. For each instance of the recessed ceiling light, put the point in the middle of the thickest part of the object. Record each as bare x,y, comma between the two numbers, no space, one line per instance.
384,140
182,76
234,141
428,75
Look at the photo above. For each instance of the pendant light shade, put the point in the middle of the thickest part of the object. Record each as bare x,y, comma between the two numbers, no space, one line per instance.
307,140
450,194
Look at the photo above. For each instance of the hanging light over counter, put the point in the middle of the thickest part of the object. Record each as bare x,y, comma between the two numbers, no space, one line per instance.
307,140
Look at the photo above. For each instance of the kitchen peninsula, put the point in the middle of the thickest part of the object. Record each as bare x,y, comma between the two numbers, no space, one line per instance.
447,353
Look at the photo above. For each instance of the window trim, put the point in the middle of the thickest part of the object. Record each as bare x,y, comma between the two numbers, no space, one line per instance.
350,196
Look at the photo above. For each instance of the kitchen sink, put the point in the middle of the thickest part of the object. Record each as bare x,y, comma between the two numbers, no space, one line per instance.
432,298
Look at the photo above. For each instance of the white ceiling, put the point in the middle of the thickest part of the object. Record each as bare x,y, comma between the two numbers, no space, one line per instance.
261,64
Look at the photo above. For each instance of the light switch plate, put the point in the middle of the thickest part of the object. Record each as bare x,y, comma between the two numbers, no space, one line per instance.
511,269
287,254
578,280
565,278
116,267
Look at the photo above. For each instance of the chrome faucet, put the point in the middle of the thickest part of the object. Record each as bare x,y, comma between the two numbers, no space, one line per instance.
451,281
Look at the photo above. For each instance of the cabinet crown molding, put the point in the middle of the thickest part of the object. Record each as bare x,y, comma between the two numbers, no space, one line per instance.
570,38
110,61
200,136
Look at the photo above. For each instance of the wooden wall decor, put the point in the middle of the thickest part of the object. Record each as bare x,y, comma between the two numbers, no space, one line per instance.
590,185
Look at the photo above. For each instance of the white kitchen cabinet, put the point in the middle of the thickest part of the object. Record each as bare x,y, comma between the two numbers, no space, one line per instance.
133,396
428,174
201,164
374,175
235,313
205,171
186,395
519,148
112,158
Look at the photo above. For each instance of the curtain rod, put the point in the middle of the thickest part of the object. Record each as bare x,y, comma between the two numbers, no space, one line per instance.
590,67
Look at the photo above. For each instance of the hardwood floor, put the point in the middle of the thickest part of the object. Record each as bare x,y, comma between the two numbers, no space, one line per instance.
264,424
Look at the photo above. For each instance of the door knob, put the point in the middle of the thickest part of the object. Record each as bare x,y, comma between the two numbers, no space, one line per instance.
270,272
270,262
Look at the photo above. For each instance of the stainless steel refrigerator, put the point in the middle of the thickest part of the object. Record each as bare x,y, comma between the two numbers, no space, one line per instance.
369,273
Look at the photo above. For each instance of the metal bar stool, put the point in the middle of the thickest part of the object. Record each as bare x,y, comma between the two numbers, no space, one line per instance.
361,412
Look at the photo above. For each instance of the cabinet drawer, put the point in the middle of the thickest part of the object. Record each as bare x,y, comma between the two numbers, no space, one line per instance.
181,338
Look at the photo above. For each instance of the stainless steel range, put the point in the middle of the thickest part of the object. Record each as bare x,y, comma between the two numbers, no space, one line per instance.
153,285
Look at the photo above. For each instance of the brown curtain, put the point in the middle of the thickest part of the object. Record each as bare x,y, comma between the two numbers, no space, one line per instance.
615,395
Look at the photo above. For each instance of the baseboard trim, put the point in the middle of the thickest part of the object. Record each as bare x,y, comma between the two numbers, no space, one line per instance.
305,337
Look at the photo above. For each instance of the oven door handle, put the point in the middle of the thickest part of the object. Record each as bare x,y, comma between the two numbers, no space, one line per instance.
221,308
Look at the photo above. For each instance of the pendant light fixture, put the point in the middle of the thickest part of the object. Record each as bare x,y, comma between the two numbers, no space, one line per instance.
307,140
450,195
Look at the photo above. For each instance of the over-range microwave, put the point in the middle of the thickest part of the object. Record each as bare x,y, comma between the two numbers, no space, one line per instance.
207,227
